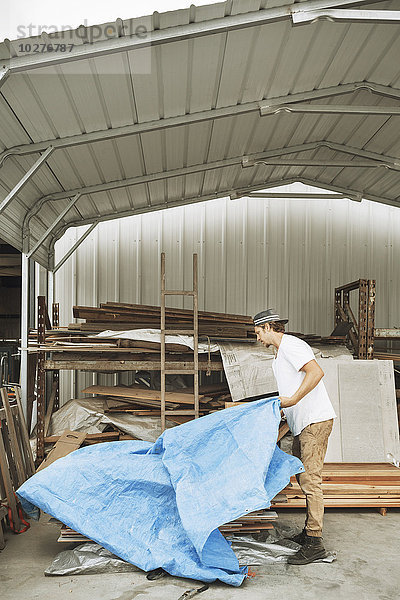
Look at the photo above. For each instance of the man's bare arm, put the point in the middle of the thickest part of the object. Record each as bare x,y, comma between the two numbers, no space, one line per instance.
313,376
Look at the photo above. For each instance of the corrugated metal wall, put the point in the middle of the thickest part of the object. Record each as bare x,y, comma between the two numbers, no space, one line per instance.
253,253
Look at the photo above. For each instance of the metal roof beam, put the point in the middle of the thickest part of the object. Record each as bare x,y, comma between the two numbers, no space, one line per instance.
207,115
331,109
176,203
351,194
394,162
24,180
354,194
304,162
388,161
170,34
376,16
293,195
75,246
54,225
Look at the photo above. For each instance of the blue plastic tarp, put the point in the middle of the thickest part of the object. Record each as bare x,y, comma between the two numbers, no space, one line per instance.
160,505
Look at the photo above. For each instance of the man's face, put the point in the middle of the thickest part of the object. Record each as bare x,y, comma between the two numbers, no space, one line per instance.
263,334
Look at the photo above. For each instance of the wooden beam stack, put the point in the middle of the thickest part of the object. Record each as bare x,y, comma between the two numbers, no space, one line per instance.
142,401
121,316
16,460
350,485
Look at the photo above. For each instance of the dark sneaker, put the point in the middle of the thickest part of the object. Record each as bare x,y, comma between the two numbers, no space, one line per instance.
300,538
311,550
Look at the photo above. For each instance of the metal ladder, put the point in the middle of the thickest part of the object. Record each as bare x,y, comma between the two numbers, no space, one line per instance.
194,332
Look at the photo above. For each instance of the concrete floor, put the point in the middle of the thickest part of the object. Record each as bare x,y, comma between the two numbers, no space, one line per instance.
367,568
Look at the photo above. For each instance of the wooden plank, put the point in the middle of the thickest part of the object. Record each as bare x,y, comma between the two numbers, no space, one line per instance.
374,466
50,407
5,474
3,514
14,442
135,411
32,364
111,366
205,329
67,443
26,446
139,394
363,480
11,461
122,404
283,429
345,489
104,436
196,336
163,349
80,348
142,310
343,503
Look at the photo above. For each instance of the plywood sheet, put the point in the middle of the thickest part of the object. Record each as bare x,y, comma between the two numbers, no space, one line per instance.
363,395
330,367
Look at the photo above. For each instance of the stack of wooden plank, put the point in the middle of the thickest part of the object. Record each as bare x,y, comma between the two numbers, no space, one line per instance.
70,535
63,339
142,401
254,522
351,485
16,460
120,316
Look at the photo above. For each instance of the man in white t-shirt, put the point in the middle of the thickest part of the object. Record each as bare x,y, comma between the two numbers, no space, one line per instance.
309,414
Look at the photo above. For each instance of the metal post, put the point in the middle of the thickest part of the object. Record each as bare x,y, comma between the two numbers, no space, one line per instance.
353,333
41,379
24,333
50,287
55,321
371,319
362,318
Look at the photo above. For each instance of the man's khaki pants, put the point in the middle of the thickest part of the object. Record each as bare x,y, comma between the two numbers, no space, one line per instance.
310,446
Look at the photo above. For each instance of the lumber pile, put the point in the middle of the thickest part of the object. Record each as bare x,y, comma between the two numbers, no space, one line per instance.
255,522
70,535
16,460
351,485
120,316
142,401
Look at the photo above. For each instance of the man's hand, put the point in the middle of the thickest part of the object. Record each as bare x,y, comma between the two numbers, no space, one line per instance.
286,402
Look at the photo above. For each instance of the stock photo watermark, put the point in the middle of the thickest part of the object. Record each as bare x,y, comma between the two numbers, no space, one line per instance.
34,39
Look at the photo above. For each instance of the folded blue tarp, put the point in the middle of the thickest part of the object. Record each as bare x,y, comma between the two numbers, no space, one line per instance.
160,505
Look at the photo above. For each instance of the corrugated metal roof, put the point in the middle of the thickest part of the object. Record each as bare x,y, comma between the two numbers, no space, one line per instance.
138,128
